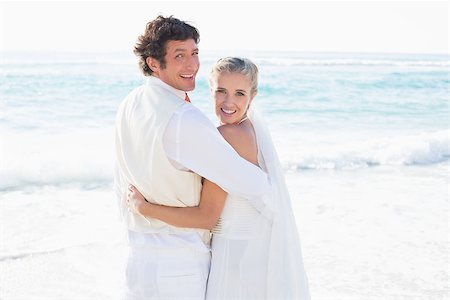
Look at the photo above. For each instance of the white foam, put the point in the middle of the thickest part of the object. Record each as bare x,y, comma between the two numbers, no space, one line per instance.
421,149
354,62
83,157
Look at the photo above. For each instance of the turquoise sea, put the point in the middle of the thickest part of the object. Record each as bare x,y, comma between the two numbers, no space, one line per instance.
363,138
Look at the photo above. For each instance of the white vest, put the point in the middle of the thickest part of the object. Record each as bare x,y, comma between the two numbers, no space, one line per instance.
140,124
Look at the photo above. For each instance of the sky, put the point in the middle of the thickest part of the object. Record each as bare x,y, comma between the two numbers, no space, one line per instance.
310,26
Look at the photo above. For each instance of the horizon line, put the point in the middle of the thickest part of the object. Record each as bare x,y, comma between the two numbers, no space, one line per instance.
231,50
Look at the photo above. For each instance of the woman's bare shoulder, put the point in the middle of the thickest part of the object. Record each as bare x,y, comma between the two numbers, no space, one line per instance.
242,139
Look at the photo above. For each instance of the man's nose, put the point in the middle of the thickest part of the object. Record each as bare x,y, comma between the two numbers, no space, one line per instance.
193,62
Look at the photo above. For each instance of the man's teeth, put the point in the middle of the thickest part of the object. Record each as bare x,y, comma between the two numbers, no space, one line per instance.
187,76
228,111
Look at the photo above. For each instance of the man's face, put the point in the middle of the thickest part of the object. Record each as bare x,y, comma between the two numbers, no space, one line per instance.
182,65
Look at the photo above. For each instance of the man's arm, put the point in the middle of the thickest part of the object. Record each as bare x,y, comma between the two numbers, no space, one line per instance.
212,200
192,141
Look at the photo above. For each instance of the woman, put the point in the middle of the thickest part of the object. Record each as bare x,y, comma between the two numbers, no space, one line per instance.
255,254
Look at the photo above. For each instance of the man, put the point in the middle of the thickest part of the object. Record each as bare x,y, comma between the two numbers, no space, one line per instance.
164,145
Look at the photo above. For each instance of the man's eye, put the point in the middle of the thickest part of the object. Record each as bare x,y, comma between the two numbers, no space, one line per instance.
195,54
240,94
179,56
220,91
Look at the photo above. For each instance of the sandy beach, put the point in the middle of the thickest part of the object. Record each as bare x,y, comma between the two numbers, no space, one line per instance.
363,141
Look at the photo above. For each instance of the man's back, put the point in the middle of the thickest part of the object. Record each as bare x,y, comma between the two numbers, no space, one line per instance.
165,262
140,125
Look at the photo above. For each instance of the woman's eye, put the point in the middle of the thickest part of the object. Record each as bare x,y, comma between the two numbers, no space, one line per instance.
240,94
220,91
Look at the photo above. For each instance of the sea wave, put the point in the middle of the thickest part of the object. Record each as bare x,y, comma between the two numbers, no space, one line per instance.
265,62
86,159
83,158
422,149
353,62
261,58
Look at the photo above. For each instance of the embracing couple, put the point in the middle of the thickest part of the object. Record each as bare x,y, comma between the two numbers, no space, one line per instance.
206,209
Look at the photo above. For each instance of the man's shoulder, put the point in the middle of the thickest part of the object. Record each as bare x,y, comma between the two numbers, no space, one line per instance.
190,110
128,104
141,95
190,115
134,93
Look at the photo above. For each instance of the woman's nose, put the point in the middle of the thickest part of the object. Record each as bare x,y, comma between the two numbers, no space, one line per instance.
226,97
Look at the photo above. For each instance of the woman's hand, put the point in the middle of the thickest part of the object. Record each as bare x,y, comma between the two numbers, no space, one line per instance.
135,200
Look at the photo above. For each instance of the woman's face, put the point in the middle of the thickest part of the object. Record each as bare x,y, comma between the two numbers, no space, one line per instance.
232,96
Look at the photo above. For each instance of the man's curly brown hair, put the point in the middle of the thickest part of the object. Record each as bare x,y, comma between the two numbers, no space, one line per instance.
157,33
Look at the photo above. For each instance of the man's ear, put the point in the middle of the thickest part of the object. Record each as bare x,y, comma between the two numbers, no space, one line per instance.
153,64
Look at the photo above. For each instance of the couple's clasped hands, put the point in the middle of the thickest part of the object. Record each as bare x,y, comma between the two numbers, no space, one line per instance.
135,200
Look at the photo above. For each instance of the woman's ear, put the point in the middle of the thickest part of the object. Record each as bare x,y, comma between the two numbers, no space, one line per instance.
251,99
211,87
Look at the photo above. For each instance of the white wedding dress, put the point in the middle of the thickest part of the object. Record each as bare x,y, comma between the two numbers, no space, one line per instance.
258,255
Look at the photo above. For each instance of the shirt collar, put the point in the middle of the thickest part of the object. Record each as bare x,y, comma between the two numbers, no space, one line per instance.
152,80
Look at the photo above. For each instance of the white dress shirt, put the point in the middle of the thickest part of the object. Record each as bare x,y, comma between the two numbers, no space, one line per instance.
192,142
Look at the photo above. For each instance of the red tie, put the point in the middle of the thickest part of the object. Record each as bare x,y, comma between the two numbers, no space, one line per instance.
187,98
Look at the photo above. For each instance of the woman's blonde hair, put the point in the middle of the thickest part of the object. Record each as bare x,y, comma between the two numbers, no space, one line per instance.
242,66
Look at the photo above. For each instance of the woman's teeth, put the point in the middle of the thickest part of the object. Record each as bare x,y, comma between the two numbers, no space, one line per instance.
228,112
187,76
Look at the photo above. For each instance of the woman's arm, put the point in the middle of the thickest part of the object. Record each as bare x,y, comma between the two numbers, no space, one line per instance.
212,200
205,215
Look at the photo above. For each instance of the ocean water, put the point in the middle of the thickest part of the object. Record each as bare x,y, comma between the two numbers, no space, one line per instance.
363,138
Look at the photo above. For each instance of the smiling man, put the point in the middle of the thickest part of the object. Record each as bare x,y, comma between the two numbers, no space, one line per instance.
164,146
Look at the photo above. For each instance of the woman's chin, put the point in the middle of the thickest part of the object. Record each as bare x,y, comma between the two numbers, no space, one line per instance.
226,122
225,119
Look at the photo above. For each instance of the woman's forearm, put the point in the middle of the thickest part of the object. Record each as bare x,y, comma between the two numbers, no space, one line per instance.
204,216
191,217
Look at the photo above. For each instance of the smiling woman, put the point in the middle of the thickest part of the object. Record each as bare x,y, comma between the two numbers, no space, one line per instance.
234,84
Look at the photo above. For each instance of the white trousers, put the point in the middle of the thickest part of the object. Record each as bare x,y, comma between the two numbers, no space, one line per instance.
166,273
